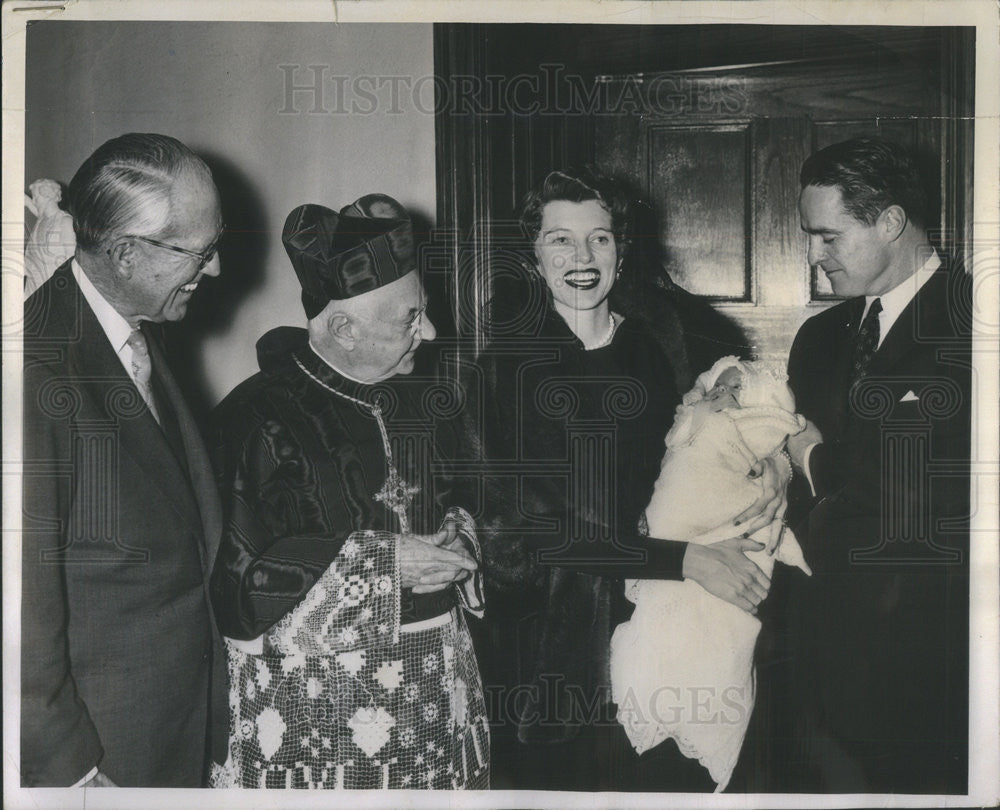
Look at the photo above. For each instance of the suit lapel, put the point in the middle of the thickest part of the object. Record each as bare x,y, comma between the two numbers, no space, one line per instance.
921,317
199,467
897,343
210,510
96,368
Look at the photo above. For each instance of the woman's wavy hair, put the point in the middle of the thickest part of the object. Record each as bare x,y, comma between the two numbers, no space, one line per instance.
577,185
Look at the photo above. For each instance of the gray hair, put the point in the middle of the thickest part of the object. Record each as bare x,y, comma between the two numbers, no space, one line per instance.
125,188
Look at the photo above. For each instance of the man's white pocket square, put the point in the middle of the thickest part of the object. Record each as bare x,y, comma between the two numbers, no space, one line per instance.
909,396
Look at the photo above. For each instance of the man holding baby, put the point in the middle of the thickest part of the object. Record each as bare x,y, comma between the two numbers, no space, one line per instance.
875,645
880,641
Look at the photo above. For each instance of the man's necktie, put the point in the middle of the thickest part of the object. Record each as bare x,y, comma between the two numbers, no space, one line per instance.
142,369
867,342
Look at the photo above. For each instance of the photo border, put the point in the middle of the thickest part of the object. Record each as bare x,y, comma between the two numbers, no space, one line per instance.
984,749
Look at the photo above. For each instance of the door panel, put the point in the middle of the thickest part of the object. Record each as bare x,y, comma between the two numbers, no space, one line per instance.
720,163
709,124
699,180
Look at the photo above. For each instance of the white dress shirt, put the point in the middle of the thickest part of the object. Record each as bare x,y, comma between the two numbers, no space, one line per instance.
114,325
897,299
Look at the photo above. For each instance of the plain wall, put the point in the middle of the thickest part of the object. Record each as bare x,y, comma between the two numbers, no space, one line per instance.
218,88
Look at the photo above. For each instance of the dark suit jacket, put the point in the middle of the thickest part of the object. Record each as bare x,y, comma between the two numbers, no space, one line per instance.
882,641
119,534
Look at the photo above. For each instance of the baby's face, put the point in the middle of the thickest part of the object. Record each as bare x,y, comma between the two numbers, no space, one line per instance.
725,393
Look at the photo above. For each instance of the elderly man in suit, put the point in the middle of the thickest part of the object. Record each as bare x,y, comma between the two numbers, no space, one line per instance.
884,378
121,667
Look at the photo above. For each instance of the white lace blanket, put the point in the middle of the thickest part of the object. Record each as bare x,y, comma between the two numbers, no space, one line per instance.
682,667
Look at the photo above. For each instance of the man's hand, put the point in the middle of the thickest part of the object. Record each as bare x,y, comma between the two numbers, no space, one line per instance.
98,780
453,540
724,570
770,502
802,441
432,562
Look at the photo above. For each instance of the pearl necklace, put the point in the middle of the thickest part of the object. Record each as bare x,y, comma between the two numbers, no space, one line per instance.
396,493
612,326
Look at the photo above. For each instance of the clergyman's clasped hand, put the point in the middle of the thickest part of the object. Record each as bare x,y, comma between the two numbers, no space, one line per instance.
432,562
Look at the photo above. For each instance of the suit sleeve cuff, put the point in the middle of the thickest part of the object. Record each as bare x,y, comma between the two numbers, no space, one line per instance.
664,559
805,467
90,775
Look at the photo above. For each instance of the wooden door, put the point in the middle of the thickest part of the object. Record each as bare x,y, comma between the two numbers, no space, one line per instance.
717,158
710,124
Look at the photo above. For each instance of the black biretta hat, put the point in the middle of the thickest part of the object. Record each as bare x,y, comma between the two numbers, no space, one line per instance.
341,255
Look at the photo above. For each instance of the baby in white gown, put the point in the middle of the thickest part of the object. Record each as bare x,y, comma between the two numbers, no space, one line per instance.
682,666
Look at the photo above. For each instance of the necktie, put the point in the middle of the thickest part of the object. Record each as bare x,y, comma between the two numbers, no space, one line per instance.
142,369
867,342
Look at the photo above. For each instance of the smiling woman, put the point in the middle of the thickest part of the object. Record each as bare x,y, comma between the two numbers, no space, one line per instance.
577,223
578,258
567,412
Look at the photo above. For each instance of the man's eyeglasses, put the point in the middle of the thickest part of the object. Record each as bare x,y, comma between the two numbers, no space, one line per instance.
412,326
203,257
417,323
